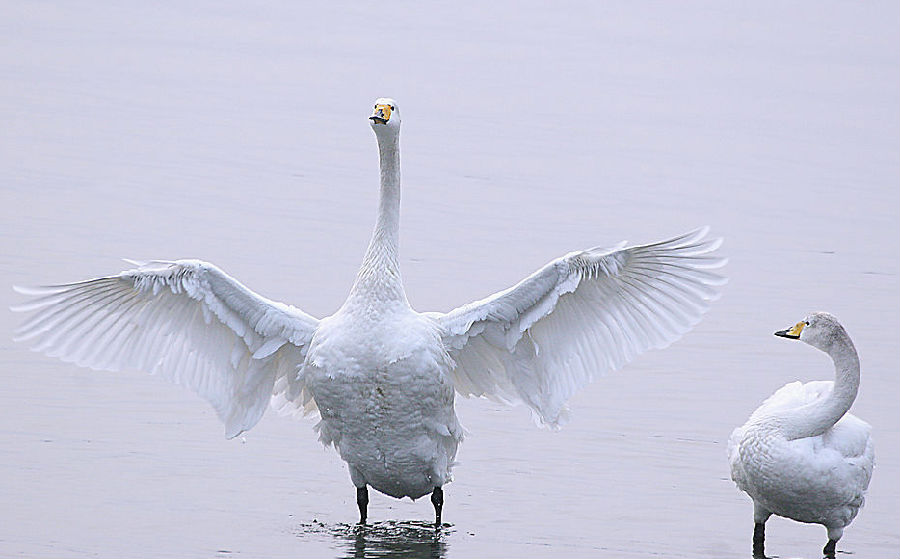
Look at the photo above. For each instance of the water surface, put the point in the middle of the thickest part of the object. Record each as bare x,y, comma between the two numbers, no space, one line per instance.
239,135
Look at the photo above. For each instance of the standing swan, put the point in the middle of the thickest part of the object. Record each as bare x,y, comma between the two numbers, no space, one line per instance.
381,376
801,455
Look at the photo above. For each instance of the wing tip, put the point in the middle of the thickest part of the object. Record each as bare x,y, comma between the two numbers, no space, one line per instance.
694,235
701,232
37,290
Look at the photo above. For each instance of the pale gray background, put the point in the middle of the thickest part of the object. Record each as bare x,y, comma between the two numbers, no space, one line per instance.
238,134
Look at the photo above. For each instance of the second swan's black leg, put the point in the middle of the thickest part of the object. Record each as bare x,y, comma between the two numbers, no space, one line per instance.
830,550
437,499
759,540
362,500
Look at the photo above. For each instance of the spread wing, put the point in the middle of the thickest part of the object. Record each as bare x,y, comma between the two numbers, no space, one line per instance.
577,317
187,321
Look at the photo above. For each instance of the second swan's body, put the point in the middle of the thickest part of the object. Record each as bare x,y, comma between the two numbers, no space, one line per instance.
802,455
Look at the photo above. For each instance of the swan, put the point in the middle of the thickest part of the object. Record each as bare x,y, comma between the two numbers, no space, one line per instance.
801,454
382,377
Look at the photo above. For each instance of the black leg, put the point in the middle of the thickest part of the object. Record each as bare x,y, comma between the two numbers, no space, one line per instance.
829,549
437,499
759,540
362,500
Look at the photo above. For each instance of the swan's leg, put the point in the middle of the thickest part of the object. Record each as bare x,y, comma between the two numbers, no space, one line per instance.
834,534
362,501
760,515
759,540
437,499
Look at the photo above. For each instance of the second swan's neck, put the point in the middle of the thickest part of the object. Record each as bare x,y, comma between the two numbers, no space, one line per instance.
378,279
815,418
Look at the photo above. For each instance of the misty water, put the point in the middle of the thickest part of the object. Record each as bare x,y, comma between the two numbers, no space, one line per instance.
238,135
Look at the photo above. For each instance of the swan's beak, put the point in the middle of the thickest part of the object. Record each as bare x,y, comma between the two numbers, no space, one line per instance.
792,333
381,115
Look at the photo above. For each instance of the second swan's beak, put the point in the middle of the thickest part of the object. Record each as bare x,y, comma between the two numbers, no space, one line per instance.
381,115
792,333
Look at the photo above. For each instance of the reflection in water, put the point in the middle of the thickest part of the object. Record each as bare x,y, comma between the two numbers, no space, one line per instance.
409,539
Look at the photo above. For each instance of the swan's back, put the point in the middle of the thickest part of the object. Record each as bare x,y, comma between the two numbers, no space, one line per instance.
850,436
793,395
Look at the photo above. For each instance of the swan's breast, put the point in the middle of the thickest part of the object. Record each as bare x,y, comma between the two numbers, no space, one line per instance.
386,402
347,343
377,370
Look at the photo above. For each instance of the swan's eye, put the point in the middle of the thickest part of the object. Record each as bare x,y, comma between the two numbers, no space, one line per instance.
393,108
807,322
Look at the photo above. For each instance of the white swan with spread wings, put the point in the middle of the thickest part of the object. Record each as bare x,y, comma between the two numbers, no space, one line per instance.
382,376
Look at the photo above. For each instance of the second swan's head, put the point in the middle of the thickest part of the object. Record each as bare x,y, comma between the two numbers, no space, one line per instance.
385,117
819,330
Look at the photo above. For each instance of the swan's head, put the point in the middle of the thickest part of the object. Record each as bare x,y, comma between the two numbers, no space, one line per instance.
385,117
819,330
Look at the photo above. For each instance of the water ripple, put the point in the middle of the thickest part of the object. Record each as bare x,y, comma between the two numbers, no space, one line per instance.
412,539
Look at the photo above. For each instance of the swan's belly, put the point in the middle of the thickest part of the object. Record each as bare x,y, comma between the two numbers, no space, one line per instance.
394,425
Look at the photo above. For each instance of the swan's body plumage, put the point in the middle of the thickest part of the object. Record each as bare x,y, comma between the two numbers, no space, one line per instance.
381,376
385,401
799,466
820,479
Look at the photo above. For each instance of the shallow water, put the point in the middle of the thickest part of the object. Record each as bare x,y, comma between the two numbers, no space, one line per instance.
412,539
239,136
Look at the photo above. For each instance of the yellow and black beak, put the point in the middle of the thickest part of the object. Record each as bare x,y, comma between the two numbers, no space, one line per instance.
382,114
792,333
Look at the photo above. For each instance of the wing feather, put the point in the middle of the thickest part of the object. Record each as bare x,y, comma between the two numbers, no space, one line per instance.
578,317
187,321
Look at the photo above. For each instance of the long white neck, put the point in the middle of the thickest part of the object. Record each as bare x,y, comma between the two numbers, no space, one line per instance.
378,279
817,417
